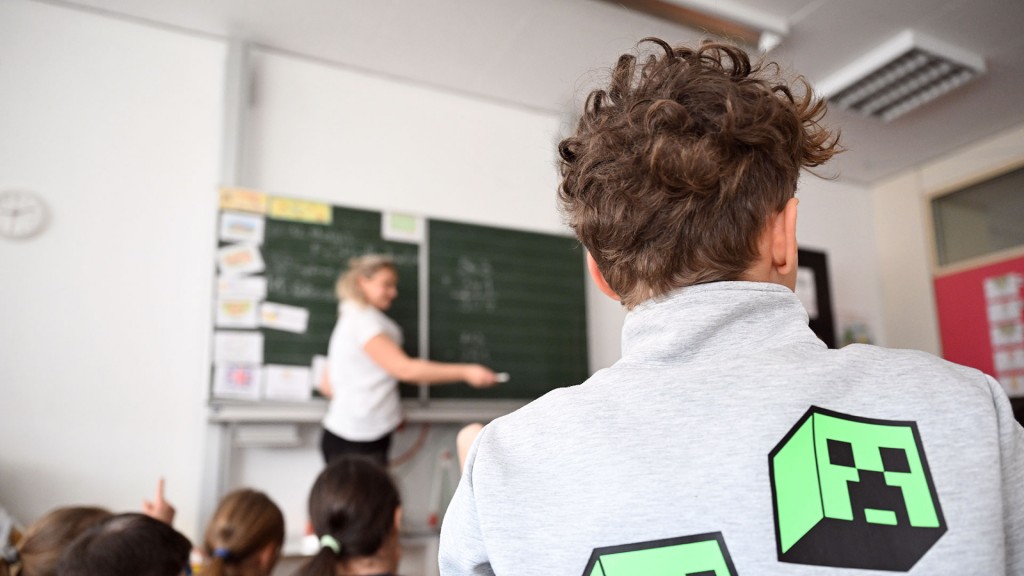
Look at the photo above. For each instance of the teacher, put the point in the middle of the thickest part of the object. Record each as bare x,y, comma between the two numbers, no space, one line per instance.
366,362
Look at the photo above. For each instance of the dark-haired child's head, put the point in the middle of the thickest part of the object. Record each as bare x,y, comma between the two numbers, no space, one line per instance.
356,511
40,549
245,535
127,545
675,169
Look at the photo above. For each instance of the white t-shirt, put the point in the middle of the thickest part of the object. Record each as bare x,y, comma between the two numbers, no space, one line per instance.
366,404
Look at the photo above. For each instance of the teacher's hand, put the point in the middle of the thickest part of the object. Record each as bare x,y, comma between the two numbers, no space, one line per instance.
479,376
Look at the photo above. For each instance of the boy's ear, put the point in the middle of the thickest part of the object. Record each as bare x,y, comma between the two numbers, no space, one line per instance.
598,278
784,246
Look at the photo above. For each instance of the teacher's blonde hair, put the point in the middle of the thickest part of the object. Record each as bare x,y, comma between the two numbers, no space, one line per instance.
347,287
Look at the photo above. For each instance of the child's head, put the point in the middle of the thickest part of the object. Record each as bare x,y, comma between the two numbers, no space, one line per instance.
127,545
244,536
40,549
675,168
355,511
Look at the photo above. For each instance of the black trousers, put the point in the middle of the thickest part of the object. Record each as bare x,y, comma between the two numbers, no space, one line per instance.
334,447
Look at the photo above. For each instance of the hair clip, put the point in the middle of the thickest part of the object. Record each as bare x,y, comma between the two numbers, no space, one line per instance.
222,553
328,541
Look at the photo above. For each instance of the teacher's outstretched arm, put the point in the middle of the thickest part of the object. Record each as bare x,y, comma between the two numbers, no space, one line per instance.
389,356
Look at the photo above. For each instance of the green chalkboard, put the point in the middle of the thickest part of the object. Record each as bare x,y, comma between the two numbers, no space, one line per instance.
508,299
303,261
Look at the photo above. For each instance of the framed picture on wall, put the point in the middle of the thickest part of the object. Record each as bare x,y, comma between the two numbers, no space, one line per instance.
812,288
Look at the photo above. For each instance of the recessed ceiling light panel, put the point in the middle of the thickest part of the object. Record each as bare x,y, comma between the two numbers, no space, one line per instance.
900,75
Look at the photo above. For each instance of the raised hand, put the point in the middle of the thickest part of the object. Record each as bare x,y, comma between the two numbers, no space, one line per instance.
159,508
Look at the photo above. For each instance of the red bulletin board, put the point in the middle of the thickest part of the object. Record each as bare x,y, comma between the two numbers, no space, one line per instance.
981,320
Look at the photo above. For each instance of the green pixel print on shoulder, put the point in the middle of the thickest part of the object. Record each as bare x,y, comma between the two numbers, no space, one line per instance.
698,555
853,492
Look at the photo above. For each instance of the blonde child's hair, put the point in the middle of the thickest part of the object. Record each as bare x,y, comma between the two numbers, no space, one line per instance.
347,286
245,522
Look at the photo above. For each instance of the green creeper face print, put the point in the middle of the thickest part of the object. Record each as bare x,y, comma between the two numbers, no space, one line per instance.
853,492
700,555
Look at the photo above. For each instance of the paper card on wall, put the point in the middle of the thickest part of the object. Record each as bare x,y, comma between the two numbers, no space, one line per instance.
1003,286
320,371
300,211
284,317
254,287
231,347
1009,360
287,382
807,290
237,381
1004,312
1008,334
243,199
1014,385
401,227
241,227
239,259
237,313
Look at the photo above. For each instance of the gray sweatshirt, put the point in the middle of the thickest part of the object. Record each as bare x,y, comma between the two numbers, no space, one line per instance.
729,440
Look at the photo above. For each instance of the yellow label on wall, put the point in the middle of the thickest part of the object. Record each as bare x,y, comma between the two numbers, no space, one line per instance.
243,199
300,210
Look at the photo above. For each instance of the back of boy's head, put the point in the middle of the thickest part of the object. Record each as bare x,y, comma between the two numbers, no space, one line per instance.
352,503
675,168
246,521
40,549
127,545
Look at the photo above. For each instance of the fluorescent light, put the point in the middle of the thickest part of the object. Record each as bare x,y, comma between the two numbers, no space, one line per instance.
899,75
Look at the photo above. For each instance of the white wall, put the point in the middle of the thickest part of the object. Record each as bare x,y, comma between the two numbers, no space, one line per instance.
904,243
836,218
104,318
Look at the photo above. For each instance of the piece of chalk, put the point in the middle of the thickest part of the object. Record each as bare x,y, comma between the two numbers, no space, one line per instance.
502,377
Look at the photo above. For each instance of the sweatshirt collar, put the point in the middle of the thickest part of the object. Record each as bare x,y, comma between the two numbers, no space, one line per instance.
715,320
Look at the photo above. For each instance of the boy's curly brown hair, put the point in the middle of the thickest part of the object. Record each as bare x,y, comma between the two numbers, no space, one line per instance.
674,170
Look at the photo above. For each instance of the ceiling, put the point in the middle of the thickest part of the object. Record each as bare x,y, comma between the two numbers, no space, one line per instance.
545,54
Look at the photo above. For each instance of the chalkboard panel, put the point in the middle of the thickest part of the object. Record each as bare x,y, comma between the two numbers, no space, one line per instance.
303,261
511,300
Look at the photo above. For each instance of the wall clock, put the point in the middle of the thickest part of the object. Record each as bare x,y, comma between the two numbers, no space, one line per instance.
23,214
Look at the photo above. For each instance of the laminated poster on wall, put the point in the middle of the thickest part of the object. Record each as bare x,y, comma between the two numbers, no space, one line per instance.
254,287
237,347
400,227
290,383
243,199
284,317
237,381
300,211
242,227
239,260
233,312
